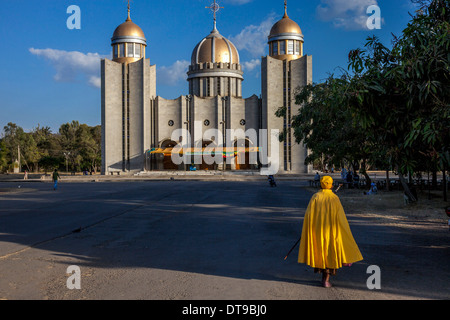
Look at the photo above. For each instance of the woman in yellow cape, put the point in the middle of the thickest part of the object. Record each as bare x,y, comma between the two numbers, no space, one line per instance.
327,243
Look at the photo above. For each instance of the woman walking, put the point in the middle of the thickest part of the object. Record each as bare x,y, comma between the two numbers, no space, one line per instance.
327,243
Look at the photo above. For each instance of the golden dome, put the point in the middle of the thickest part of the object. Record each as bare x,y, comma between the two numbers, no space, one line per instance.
215,48
128,42
285,25
286,39
128,29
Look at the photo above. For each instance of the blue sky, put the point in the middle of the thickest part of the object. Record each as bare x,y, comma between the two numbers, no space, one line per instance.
50,74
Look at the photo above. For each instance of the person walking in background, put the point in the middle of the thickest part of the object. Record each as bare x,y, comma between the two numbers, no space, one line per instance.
327,242
343,173
55,177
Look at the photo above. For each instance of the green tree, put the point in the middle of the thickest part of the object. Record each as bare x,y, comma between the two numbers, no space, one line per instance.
327,126
425,70
392,108
81,144
401,95
68,142
29,152
88,145
3,156
15,140
49,163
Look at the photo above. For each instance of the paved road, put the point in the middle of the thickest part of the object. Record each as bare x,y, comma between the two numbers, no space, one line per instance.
195,240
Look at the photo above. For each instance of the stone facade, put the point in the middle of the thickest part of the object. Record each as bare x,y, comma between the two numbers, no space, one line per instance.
136,121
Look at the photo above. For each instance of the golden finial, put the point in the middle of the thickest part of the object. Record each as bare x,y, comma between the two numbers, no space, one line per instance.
129,18
285,9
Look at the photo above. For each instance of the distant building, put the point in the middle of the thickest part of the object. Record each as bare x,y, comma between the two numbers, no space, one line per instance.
138,127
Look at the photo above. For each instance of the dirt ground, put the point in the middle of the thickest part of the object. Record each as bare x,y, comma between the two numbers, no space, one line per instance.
389,206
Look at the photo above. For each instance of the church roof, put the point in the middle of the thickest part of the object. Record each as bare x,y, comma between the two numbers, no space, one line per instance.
215,48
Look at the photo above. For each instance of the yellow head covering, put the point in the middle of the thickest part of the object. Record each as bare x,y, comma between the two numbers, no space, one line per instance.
326,182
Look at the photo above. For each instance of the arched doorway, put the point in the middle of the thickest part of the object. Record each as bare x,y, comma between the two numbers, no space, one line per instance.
243,160
200,146
167,162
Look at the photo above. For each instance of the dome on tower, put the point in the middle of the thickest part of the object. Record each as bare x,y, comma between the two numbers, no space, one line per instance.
215,69
128,29
128,42
286,26
286,39
215,48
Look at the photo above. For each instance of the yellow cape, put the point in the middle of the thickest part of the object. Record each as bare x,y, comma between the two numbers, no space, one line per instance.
327,241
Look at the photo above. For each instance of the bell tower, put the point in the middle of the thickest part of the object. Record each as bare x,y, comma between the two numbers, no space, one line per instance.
128,42
128,87
283,72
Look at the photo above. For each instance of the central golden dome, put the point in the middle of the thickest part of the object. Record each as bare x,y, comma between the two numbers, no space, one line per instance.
215,48
215,69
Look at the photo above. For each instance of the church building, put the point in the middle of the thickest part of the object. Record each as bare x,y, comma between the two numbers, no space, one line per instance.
141,131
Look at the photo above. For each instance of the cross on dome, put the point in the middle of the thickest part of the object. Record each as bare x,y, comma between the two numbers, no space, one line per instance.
214,7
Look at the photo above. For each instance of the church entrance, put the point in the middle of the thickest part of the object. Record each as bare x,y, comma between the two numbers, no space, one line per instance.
201,146
242,155
167,160
245,159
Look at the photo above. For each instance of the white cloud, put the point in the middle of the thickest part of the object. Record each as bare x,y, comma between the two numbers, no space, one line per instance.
250,65
350,15
69,65
95,81
253,39
171,75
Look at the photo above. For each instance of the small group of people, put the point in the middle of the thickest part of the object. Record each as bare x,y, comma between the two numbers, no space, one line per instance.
55,178
352,179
